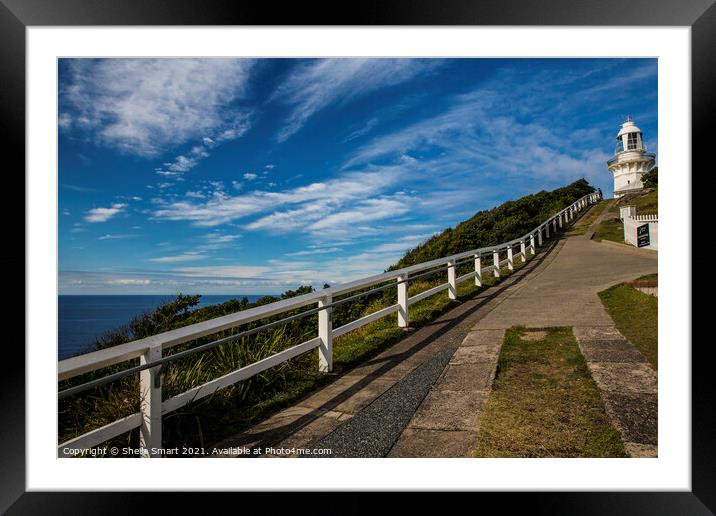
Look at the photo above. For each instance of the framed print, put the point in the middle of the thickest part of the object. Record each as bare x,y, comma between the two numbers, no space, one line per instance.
419,246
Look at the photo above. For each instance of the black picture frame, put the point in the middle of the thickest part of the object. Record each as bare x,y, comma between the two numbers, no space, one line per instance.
16,15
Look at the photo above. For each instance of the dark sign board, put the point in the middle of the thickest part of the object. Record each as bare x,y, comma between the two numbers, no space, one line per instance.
642,236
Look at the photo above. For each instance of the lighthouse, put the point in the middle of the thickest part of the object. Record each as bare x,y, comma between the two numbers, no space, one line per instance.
630,161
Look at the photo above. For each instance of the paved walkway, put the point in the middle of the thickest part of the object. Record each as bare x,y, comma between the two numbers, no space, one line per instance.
423,396
563,292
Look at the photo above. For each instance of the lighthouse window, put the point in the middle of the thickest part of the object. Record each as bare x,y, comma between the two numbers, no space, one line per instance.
632,141
620,145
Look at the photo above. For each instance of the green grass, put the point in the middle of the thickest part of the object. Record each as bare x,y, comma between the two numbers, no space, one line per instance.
544,403
645,201
581,226
357,346
611,228
635,314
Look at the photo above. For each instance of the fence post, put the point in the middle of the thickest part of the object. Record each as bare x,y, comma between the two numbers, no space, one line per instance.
478,271
554,226
403,320
532,244
150,405
325,333
452,284
546,230
523,251
496,263
539,237
560,220
510,265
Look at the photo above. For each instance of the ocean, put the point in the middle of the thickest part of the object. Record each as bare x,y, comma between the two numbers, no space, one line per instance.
81,319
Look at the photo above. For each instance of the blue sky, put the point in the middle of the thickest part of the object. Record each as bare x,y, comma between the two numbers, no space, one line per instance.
239,176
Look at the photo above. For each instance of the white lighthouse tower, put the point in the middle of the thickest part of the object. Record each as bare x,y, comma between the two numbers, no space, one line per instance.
630,161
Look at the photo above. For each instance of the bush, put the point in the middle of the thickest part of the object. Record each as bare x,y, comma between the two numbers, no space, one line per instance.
503,223
651,178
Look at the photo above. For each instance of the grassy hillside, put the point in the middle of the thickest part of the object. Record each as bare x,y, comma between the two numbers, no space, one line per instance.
611,228
503,223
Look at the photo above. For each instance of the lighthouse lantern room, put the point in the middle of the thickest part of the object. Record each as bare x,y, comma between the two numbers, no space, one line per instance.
631,160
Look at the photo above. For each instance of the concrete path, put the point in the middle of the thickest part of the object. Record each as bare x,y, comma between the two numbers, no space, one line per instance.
423,396
628,385
447,421
563,292
362,413
602,216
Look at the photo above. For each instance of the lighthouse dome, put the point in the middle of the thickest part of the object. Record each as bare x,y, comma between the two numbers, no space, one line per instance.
629,138
628,127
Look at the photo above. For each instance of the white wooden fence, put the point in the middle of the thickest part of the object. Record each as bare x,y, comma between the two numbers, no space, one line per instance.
149,350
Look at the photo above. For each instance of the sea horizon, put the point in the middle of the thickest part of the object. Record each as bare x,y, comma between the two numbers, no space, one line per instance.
83,318
174,295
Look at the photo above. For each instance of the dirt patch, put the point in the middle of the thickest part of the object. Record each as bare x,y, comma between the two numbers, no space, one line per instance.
533,335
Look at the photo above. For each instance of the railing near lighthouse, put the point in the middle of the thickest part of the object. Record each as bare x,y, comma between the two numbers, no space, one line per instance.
150,350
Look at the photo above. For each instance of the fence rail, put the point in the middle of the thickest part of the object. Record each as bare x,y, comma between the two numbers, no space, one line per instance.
149,350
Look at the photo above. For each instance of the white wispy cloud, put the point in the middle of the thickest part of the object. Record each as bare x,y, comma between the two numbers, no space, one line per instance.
320,250
226,271
364,211
217,240
104,214
250,176
178,258
129,281
317,84
115,237
146,106
287,209
76,188
190,159
365,129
